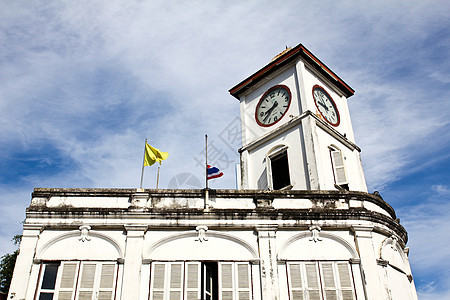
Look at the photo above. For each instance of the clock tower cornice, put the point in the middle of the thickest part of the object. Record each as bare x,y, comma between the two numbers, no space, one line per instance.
285,59
295,121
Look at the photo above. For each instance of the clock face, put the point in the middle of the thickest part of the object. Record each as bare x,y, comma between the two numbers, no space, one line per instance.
326,105
273,105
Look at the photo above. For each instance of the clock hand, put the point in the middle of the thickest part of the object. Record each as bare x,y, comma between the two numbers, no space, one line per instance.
323,105
270,110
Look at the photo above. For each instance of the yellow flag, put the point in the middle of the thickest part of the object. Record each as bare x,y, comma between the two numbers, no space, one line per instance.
153,155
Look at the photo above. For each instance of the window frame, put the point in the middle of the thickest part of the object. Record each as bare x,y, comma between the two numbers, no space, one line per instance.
42,270
98,278
303,277
234,289
275,152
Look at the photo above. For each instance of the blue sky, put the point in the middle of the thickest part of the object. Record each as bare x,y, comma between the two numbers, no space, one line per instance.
83,83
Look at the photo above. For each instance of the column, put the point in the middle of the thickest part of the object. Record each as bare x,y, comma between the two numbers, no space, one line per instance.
24,262
364,244
133,262
269,266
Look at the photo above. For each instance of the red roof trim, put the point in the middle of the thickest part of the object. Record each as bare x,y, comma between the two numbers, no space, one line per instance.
298,50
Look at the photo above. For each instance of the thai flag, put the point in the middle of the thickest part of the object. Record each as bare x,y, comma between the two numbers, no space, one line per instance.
214,172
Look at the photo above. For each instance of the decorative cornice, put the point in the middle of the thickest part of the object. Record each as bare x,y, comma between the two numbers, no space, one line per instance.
135,231
188,193
382,262
266,231
362,231
284,60
355,261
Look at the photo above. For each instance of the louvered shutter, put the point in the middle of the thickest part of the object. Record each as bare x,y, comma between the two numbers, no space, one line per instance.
107,276
157,280
269,181
339,168
295,281
329,283
67,284
243,281
192,281
226,281
345,281
86,287
312,278
176,281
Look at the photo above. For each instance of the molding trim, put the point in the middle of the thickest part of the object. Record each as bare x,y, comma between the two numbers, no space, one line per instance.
76,233
323,234
295,122
194,234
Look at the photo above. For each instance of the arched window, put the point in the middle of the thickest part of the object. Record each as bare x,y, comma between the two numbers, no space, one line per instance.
338,167
278,168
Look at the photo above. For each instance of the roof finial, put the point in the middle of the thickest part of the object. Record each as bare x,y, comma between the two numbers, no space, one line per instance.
282,53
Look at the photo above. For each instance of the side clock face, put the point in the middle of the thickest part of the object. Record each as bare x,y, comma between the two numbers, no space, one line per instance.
326,105
273,105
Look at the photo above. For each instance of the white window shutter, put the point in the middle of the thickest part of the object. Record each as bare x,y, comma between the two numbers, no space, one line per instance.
176,281
312,278
192,281
67,284
86,287
319,280
158,281
338,167
167,281
295,281
243,281
107,276
226,281
345,281
329,283
269,173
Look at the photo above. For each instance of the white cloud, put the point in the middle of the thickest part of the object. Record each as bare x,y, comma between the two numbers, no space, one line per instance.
428,228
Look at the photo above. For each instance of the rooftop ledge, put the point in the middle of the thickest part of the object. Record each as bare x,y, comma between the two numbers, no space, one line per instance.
193,198
190,204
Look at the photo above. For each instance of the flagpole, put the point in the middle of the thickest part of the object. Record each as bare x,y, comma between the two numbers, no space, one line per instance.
157,179
206,170
206,160
143,162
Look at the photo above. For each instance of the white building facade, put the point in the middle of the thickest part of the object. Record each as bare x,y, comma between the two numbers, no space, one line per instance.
301,225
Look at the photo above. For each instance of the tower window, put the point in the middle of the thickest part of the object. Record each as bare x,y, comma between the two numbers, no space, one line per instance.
338,167
280,170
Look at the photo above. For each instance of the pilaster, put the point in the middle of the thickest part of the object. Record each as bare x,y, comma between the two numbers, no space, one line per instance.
269,266
133,262
307,133
355,264
364,244
24,262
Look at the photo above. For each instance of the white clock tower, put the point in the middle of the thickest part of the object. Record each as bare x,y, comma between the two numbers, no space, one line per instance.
296,127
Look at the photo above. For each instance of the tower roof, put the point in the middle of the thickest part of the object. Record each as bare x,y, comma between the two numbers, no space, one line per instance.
286,57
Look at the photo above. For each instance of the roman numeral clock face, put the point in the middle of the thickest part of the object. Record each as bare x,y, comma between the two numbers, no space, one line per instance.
273,105
326,105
